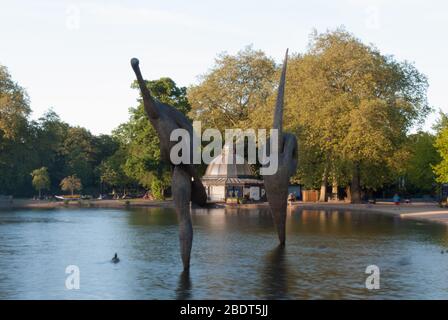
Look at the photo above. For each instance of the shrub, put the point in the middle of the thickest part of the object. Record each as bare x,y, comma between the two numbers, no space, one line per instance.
157,189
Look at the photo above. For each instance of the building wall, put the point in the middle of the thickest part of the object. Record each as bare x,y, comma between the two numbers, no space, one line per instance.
255,193
216,193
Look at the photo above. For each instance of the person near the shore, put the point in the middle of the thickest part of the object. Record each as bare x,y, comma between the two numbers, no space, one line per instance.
396,199
291,198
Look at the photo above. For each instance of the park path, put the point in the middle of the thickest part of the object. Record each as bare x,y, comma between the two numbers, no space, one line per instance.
429,211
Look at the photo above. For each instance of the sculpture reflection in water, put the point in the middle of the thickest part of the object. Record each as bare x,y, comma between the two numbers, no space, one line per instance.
276,276
186,184
183,291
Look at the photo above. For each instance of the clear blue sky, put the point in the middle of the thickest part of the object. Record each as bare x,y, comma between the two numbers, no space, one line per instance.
74,56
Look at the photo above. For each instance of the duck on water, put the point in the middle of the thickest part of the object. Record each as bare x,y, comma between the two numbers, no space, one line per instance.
115,259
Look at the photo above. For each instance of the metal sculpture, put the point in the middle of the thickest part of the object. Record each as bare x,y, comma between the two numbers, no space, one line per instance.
276,185
186,184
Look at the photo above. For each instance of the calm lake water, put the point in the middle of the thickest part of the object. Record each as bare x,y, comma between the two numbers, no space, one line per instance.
235,255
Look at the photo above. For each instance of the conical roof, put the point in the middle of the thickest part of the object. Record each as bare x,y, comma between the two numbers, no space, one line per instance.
227,166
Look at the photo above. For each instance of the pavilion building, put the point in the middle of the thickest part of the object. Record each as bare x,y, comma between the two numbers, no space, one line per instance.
229,177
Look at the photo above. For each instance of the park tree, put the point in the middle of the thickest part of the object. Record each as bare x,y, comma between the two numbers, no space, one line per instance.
79,151
111,171
71,183
354,105
105,146
17,154
108,174
50,133
83,153
441,123
41,179
14,107
418,169
441,144
236,86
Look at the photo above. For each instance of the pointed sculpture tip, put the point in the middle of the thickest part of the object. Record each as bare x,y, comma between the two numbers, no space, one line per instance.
278,111
286,57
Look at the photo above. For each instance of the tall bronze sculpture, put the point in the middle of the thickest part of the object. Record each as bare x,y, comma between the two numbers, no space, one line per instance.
186,184
276,185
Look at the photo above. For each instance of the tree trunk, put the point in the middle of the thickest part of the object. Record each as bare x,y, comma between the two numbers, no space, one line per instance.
40,193
334,190
323,188
73,191
348,191
355,186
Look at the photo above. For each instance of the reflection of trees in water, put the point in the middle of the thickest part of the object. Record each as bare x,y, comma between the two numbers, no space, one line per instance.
276,274
349,223
183,291
233,219
152,216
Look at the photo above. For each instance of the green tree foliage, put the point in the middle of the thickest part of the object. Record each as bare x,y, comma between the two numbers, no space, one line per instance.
47,142
354,106
108,174
111,171
50,132
83,153
14,106
71,183
159,185
17,157
236,86
441,145
442,122
79,153
41,179
418,173
441,169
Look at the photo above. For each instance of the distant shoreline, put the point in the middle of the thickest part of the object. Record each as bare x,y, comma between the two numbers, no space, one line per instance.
424,211
44,204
